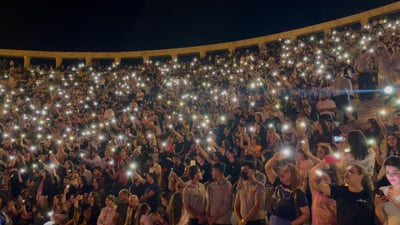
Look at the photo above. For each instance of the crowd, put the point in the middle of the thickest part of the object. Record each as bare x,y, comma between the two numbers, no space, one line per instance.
249,138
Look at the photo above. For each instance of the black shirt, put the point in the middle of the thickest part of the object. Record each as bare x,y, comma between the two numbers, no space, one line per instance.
286,202
353,208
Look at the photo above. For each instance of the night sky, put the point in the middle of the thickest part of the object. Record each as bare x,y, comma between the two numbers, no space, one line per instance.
158,24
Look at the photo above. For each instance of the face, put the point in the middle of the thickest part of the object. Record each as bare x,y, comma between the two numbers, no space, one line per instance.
133,201
392,141
109,203
320,153
215,173
393,175
352,177
285,176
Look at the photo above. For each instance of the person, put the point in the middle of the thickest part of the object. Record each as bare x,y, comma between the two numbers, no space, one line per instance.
365,78
289,203
323,208
143,215
219,197
108,212
387,202
354,202
358,151
131,211
249,198
122,207
175,209
195,197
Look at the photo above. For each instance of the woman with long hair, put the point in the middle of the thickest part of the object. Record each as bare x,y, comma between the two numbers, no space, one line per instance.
175,209
289,203
357,150
142,215
387,201
392,148
354,201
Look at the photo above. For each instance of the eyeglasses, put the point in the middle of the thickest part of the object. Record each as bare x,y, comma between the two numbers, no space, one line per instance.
392,173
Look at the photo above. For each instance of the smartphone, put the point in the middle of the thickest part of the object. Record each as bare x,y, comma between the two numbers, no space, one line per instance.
338,139
192,162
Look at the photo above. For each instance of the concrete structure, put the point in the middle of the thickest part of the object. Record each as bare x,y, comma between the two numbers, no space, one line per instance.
326,27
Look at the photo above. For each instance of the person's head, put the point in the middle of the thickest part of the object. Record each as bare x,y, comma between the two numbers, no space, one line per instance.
110,201
57,200
355,176
290,176
372,125
218,170
322,151
194,173
151,178
133,201
124,195
164,198
94,198
200,159
358,144
393,141
248,170
144,209
392,168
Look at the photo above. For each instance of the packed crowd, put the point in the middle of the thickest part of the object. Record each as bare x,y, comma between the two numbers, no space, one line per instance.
246,138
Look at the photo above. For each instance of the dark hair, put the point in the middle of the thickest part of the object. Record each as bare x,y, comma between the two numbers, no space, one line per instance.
366,181
392,161
220,166
249,164
153,176
174,208
358,144
375,125
192,171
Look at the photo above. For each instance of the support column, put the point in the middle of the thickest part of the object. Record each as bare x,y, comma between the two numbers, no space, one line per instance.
58,61
327,31
88,60
27,61
145,59
202,54
231,51
117,60
364,21
174,57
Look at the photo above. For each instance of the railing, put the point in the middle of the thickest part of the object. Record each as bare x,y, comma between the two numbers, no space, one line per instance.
202,50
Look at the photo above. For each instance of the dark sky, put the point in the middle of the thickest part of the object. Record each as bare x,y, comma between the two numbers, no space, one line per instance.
157,24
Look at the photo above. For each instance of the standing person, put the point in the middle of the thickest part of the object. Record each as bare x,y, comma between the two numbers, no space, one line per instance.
365,78
354,204
219,196
195,197
289,202
343,89
249,198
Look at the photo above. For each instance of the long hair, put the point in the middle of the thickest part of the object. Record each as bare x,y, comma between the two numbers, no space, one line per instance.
141,210
390,150
366,181
358,144
175,208
296,180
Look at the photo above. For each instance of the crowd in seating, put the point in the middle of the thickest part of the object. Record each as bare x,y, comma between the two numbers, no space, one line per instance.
255,137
